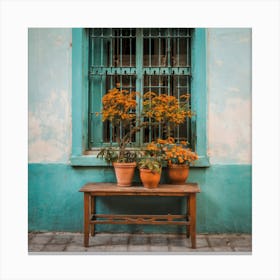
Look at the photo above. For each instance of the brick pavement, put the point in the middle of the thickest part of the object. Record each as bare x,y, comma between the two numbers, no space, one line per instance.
125,243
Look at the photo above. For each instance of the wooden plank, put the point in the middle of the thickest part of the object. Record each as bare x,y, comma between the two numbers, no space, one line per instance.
117,216
139,219
86,219
188,216
193,220
140,222
92,201
111,189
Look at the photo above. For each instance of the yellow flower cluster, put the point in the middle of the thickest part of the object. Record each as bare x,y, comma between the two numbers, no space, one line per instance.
152,147
169,140
165,108
119,105
170,152
177,154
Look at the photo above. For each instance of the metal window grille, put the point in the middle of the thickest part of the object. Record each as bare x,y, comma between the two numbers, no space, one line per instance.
149,59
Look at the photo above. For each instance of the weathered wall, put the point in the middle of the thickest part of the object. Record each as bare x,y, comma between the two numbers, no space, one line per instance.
49,96
229,95
53,199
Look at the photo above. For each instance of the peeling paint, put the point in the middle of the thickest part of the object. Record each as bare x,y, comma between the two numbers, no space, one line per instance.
219,62
230,132
229,96
46,151
49,126
49,95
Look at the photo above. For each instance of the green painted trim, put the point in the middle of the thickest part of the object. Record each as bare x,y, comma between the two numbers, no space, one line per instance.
199,98
87,161
203,161
80,98
79,90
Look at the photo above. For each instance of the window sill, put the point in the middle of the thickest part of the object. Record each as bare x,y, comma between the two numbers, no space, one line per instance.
92,160
87,160
203,161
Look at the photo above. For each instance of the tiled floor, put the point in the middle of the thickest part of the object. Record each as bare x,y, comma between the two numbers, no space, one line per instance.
124,243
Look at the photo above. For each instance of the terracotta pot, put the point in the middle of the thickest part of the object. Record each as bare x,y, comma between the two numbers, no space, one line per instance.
124,173
149,179
178,173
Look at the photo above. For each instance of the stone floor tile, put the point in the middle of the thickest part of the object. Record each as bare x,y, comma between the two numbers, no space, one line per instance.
135,240
119,240
241,241
35,247
138,248
243,249
100,239
179,249
61,239
78,240
102,249
216,241
53,248
201,242
139,243
223,249
202,249
178,241
158,240
41,238
158,248
75,248
118,248
30,236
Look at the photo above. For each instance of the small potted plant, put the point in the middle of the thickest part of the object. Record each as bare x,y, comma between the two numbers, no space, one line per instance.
178,158
150,172
150,165
119,108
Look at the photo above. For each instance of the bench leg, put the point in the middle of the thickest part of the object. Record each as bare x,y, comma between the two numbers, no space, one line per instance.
187,218
86,218
193,219
92,208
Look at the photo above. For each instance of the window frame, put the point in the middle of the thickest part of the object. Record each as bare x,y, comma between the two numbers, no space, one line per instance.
79,155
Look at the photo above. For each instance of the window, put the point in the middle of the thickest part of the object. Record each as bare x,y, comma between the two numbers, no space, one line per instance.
163,60
142,60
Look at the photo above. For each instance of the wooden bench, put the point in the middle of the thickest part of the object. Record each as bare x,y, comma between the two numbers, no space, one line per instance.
91,218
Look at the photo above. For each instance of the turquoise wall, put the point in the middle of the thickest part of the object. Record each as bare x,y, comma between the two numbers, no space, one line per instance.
54,203
224,205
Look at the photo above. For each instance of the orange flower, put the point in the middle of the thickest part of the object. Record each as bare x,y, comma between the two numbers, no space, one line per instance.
118,105
179,155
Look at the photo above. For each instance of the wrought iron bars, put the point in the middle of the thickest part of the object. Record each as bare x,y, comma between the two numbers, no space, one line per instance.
155,59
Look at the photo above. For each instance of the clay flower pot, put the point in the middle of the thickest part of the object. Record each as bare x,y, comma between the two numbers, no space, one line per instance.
149,179
178,173
124,173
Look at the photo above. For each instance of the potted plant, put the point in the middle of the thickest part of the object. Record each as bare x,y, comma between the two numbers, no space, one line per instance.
178,158
150,165
150,171
124,165
169,111
119,108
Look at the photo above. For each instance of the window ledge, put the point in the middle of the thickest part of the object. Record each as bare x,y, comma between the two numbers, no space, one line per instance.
92,160
203,161
87,160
